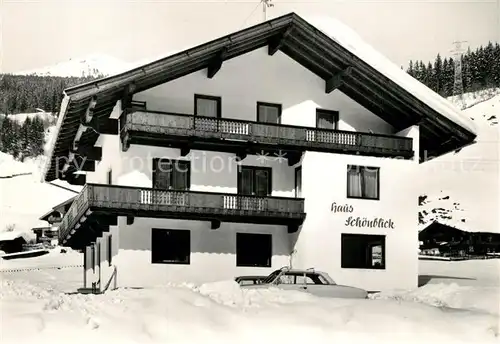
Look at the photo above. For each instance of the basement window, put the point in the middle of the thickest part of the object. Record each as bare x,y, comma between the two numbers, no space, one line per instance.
253,250
363,182
360,251
170,246
207,106
268,113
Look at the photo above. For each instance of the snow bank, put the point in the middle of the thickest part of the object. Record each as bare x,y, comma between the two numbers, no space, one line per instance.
481,299
43,304
229,293
346,37
51,260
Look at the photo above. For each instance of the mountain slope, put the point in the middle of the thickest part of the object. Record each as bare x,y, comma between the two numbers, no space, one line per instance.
92,65
461,189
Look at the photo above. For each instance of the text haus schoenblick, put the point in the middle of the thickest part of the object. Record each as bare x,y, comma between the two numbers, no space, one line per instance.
358,221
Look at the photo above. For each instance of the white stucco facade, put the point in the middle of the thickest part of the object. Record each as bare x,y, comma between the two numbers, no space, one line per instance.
241,83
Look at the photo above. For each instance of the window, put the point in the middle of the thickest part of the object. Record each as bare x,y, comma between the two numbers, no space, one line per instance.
327,119
207,106
268,113
254,181
298,182
361,251
110,177
171,174
301,278
170,246
363,182
253,250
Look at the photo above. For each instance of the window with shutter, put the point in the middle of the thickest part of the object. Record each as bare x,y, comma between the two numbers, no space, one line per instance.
255,181
171,174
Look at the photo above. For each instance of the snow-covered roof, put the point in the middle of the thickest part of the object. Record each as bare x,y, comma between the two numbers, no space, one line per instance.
11,235
328,50
353,42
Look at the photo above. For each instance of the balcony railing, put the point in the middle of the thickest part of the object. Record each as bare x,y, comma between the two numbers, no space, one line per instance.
123,200
299,138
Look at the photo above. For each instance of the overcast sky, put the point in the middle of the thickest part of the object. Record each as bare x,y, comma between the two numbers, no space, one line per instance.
38,33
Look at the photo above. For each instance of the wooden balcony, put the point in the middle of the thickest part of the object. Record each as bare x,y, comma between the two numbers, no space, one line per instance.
97,206
244,137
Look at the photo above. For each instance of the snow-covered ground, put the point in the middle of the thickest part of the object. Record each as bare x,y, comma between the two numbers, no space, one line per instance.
41,306
23,198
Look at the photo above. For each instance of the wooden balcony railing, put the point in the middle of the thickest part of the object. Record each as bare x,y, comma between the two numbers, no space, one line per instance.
302,138
133,200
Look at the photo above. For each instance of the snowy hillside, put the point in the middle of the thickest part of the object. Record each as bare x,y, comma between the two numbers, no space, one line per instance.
461,188
47,117
23,198
92,65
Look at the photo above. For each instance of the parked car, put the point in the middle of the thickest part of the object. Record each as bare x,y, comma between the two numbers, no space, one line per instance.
249,280
309,280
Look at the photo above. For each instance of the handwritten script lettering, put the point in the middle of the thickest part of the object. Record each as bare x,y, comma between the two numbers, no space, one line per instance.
372,223
353,221
345,208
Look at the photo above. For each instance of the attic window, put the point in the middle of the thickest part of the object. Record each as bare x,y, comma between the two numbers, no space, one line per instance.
207,106
327,119
268,113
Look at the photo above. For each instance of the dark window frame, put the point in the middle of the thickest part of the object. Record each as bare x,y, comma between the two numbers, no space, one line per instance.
275,105
298,169
254,168
171,262
333,113
240,236
110,177
349,168
208,97
172,161
368,237
110,249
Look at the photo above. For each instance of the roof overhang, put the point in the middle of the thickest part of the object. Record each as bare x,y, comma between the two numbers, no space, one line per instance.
293,36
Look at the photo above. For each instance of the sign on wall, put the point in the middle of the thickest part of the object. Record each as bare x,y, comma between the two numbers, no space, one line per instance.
358,221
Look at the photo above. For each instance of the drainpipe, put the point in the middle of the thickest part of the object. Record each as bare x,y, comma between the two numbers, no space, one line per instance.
290,260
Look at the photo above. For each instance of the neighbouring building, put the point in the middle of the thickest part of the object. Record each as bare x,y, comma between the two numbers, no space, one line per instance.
279,144
12,241
457,242
53,217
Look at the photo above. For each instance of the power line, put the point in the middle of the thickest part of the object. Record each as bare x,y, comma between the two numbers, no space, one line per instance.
248,17
265,5
458,87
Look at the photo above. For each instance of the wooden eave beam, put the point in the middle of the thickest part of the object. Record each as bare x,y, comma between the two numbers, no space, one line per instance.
337,80
91,152
128,93
277,41
76,179
89,112
216,63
